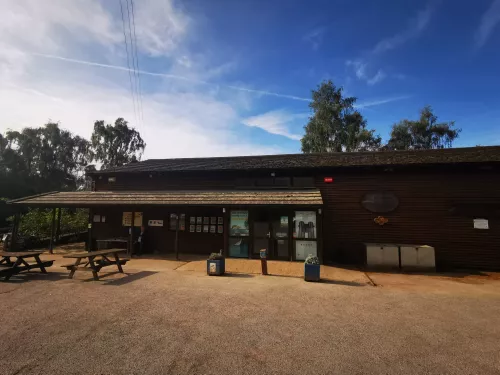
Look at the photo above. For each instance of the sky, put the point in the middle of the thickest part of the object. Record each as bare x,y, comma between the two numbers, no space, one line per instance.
224,77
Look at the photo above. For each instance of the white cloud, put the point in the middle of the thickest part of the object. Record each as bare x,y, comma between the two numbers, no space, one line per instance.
160,26
373,103
361,71
275,122
376,78
182,116
489,21
416,26
315,37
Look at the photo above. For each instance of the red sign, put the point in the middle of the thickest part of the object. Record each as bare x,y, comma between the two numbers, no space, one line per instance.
328,180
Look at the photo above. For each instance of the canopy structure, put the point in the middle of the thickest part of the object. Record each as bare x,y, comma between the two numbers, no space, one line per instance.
310,197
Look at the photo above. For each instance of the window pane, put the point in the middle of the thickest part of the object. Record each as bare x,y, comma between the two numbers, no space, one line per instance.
303,181
239,223
282,248
305,224
238,247
282,181
305,248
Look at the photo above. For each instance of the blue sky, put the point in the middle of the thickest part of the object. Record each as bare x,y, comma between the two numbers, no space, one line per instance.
234,77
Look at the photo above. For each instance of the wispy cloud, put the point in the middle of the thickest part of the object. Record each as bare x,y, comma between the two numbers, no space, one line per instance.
361,71
315,37
489,21
376,78
373,103
275,122
171,76
416,26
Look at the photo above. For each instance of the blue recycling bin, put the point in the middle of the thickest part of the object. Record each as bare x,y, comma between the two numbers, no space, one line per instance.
312,272
216,267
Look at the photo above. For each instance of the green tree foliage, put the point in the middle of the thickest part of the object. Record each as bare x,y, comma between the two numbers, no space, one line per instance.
48,158
116,145
425,133
335,125
41,159
38,222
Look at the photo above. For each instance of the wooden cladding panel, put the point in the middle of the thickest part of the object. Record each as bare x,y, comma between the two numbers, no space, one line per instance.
422,217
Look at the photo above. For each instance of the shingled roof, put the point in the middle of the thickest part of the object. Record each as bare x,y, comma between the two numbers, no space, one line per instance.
161,198
490,154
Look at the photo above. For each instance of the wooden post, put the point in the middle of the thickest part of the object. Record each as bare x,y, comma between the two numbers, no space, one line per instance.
131,234
176,244
89,230
225,218
15,232
52,231
319,234
58,227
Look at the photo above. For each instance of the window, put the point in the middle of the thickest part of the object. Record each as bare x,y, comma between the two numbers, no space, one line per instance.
265,181
380,201
111,179
305,233
238,224
238,231
282,182
303,182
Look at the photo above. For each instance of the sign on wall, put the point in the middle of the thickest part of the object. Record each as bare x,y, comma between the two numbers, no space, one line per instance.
481,224
155,223
127,219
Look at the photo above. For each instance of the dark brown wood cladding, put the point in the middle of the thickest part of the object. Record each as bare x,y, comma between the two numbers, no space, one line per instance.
161,239
424,216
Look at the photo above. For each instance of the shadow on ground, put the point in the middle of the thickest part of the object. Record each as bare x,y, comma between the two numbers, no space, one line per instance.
340,282
27,277
130,277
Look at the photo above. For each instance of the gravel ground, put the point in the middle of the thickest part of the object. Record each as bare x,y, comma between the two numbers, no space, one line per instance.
171,322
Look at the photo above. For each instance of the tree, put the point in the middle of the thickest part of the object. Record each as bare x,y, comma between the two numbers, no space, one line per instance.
425,133
335,125
116,145
36,160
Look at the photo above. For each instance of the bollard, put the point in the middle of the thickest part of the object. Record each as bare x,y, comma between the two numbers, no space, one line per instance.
263,261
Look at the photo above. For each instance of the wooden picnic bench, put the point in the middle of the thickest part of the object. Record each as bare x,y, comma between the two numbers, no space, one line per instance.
95,261
8,268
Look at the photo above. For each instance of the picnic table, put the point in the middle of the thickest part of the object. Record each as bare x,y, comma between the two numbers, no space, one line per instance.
95,260
8,268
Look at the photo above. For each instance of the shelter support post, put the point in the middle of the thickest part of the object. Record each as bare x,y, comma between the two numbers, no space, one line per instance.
15,231
52,231
176,244
58,226
131,234
89,226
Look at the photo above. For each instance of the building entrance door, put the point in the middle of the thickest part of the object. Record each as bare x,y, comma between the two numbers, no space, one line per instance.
271,231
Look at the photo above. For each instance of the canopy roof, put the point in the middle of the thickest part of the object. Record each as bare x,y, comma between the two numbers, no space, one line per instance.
310,197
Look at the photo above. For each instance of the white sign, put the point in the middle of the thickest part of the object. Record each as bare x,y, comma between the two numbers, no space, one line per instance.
305,248
213,268
155,223
481,224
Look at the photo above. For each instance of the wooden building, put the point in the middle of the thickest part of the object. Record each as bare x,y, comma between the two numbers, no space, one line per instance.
294,205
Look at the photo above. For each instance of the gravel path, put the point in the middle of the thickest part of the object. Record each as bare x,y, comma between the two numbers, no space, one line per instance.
171,322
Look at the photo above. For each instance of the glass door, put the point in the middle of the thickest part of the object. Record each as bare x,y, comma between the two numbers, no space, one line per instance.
271,232
261,234
279,237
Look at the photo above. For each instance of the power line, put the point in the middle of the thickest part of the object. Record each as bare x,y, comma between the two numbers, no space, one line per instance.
128,64
133,53
137,61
